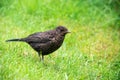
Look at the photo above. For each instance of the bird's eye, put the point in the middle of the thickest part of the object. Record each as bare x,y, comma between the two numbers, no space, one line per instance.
61,30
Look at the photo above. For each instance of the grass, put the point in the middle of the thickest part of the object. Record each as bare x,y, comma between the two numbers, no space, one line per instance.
90,52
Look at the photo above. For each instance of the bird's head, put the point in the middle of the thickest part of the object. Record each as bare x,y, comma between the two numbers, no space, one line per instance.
62,30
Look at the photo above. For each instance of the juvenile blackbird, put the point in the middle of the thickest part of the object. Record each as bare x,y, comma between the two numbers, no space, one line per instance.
45,42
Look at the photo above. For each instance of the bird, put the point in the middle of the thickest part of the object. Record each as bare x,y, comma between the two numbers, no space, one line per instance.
45,43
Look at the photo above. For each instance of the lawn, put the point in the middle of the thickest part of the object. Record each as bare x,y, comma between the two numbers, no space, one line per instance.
90,52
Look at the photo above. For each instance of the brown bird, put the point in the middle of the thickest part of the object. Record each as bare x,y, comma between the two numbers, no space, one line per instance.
45,42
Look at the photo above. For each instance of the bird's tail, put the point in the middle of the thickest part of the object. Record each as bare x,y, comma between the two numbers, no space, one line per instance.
14,40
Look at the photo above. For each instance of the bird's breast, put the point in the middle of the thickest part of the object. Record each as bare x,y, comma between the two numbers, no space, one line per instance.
53,45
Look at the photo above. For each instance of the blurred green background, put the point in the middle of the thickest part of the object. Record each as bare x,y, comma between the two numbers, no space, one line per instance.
90,52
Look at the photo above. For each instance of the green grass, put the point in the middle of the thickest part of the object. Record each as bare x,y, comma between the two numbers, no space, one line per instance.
90,52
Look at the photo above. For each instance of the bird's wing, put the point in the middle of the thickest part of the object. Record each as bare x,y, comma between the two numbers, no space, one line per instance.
40,37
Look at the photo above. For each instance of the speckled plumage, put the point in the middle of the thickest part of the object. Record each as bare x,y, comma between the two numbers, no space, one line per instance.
45,42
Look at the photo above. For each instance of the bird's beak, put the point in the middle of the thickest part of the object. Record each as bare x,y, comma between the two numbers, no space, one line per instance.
68,32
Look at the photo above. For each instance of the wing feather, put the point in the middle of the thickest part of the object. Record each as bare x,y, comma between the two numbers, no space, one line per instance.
40,37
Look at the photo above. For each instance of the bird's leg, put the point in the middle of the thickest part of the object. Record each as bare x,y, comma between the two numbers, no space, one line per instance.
39,55
42,57
43,60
